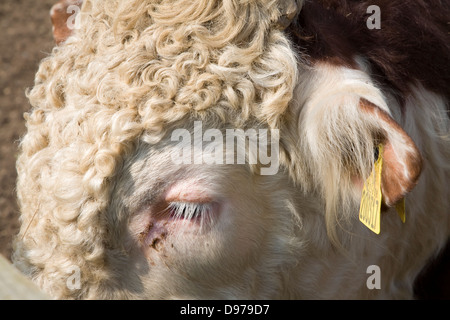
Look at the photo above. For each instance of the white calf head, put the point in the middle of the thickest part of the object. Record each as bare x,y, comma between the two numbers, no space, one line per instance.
100,190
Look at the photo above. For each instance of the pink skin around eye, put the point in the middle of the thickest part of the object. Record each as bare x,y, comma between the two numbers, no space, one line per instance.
155,228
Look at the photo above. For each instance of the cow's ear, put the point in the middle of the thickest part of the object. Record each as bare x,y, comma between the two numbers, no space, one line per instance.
60,14
402,162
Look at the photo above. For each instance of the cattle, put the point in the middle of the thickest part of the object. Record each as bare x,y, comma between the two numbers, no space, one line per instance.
128,187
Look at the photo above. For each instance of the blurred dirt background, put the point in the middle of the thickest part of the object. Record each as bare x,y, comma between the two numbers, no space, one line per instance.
27,38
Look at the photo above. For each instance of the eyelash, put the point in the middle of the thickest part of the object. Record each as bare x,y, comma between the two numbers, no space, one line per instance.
190,210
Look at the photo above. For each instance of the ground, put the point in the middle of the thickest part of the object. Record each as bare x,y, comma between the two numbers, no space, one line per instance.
27,38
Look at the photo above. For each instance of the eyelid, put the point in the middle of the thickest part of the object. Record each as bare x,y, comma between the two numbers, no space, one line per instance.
188,191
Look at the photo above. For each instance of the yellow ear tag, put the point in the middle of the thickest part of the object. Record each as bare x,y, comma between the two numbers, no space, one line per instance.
370,208
400,207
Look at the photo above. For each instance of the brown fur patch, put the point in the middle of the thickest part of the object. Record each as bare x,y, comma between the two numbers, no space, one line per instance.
413,44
